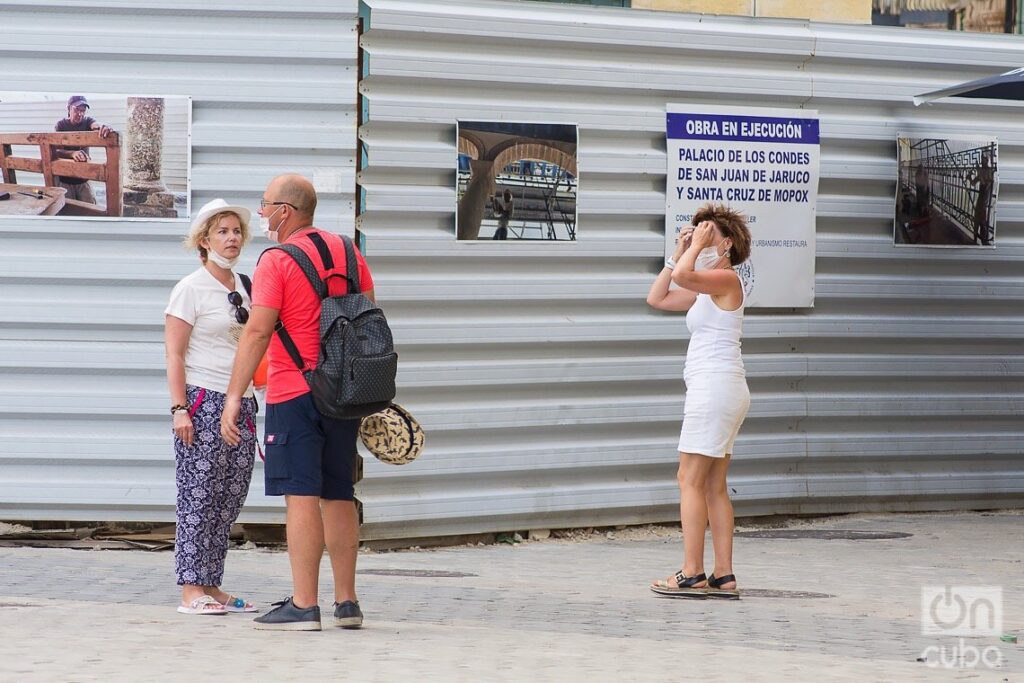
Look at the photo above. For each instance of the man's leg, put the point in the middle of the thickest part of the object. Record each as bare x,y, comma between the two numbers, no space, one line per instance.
341,471
81,192
85,193
305,529
292,469
70,191
341,531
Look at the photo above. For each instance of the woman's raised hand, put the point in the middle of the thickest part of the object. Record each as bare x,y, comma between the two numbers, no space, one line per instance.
683,242
704,234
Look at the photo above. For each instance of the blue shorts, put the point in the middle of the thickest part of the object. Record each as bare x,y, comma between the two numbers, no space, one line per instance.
309,454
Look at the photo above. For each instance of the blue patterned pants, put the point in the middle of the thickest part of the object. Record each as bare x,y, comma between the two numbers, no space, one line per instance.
213,481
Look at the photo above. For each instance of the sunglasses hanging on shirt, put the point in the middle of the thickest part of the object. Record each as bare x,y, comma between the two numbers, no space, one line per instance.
241,313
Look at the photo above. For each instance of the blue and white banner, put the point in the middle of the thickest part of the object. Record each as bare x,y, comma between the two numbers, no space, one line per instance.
763,163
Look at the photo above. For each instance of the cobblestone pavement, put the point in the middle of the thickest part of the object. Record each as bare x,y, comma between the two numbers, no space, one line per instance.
816,608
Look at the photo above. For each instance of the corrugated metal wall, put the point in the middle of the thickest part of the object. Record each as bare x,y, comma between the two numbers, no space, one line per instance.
552,395
84,429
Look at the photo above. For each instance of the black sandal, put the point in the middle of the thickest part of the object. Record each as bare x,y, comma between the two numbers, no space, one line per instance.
686,586
715,589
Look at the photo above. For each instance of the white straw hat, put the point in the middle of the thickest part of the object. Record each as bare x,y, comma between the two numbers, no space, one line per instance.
212,208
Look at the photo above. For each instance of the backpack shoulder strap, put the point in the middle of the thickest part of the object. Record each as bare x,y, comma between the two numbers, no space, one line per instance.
306,265
247,283
309,269
321,246
351,265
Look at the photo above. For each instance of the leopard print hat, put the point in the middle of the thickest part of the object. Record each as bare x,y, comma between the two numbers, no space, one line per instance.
393,435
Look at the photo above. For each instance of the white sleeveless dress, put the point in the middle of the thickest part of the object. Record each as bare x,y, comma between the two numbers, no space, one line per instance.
717,397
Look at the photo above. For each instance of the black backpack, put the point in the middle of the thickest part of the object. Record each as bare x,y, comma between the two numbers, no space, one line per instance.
355,372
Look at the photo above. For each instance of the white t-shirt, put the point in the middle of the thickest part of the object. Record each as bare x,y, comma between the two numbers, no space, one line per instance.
202,301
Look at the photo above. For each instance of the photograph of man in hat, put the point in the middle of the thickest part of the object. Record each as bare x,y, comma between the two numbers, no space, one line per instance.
76,121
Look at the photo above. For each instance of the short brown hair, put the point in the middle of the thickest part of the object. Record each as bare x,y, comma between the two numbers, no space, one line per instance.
733,226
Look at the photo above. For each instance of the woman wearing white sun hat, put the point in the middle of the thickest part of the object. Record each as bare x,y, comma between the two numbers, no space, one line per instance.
203,322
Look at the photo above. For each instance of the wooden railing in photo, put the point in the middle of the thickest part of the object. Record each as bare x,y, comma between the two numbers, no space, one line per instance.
108,172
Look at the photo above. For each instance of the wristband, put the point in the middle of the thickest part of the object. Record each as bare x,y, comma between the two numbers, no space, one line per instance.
670,263
178,408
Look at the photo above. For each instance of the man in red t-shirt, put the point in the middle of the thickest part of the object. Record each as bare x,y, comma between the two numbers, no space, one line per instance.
311,460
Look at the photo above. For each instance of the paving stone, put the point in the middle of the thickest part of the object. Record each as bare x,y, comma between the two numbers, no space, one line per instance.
543,610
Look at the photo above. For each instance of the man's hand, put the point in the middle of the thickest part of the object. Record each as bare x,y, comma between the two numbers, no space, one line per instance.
79,155
104,130
229,421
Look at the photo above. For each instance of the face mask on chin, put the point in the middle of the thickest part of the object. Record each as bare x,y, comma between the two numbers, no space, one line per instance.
226,263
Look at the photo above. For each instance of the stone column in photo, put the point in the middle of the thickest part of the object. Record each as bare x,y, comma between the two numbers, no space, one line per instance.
474,202
144,193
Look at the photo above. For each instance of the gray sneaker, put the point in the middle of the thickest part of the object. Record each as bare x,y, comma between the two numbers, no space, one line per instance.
287,617
348,615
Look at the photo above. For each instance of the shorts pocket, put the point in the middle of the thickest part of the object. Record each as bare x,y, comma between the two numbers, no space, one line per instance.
276,464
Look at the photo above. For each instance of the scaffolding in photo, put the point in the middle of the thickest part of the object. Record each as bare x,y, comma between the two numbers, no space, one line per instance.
533,200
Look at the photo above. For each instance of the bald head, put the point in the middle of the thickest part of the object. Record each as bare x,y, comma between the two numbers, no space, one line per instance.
295,190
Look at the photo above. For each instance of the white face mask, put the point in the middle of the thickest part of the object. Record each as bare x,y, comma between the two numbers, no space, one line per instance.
707,259
226,263
265,226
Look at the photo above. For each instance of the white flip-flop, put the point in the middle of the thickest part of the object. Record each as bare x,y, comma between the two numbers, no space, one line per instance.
204,604
236,604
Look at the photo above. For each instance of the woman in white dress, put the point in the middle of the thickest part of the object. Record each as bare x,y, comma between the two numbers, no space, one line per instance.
717,398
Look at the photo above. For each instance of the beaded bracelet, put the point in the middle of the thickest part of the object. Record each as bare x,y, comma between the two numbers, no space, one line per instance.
177,408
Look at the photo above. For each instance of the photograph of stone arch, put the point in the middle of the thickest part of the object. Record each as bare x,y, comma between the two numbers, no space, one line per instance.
81,155
516,181
946,192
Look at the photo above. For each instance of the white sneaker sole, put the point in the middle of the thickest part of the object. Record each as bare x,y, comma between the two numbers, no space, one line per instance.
289,626
349,622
